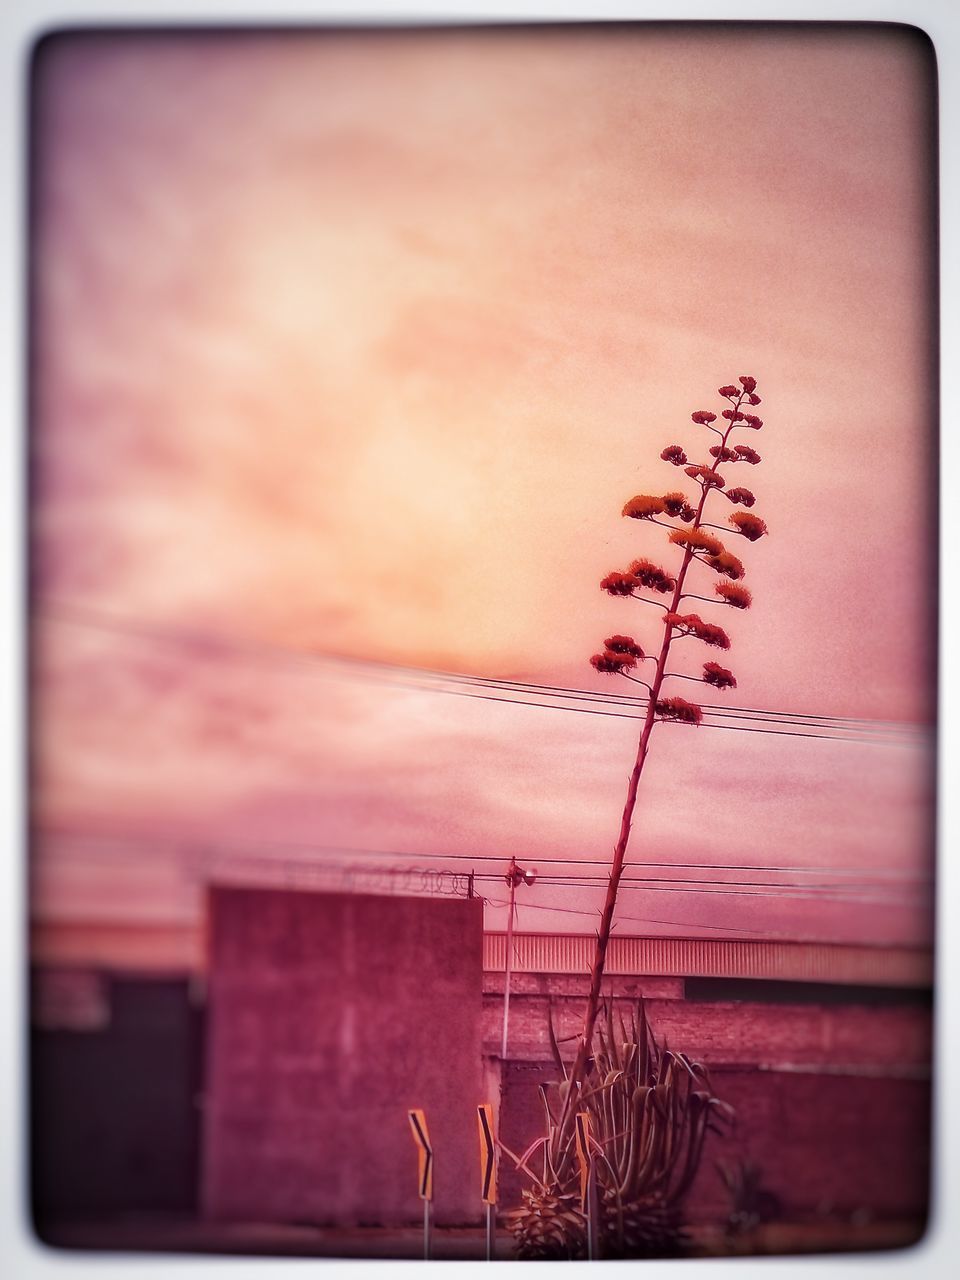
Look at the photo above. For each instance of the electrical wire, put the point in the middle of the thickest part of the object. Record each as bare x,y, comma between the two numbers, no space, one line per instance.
851,729
192,846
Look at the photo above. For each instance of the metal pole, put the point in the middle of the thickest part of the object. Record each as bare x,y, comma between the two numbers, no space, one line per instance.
512,873
490,1232
592,1212
426,1230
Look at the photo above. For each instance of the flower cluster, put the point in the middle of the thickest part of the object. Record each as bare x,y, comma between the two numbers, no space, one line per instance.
647,574
613,664
619,584
706,475
621,654
752,527
673,453
696,540
727,564
719,677
733,594
678,709
624,645
644,507
743,496
691,624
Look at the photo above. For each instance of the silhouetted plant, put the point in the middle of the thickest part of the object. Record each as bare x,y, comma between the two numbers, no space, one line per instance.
550,1223
695,545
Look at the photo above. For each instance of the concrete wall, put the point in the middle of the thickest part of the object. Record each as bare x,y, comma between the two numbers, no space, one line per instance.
328,1016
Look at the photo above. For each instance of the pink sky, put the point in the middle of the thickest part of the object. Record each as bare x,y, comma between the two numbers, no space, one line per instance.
360,342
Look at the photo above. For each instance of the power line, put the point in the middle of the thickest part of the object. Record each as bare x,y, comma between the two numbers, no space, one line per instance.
841,887
853,736
191,845
653,884
724,709
856,729
618,918
772,891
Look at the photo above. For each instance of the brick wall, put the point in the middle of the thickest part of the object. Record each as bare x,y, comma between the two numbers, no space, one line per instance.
832,1100
726,1032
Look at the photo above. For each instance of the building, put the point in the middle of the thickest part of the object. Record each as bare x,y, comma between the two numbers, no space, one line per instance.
262,1068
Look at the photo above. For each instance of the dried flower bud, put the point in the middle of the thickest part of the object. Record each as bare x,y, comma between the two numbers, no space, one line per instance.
728,391
696,540
703,417
752,527
727,564
746,454
674,503
688,513
691,624
644,507
722,453
753,399
619,584
614,664
743,496
751,420
624,645
748,384
719,677
673,453
679,710
733,415
650,575
735,595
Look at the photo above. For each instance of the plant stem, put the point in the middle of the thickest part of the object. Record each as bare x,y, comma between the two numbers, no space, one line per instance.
619,853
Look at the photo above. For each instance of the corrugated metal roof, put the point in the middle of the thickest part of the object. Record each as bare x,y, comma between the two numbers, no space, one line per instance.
715,958
180,947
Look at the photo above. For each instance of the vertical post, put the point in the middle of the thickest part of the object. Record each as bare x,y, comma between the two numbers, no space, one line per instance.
418,1127
512,880
593,1251
488,1170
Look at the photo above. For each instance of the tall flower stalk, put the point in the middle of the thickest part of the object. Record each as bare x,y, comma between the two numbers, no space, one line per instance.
696,541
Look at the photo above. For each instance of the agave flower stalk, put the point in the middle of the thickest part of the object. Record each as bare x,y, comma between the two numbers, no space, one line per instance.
694,544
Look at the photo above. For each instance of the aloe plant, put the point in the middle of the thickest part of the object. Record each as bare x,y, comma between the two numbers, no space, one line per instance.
650,1110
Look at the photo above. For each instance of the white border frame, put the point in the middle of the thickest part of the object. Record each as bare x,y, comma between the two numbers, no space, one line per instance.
22,22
